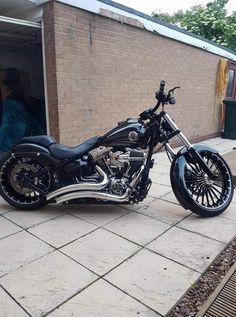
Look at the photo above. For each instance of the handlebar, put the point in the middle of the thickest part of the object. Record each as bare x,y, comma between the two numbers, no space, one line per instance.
162,85
162,98
160,95
171,91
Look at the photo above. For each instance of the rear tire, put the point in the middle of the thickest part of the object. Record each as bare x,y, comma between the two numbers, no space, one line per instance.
14,191
202,195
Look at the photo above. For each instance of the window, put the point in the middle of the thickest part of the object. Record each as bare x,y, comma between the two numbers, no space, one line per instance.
231,88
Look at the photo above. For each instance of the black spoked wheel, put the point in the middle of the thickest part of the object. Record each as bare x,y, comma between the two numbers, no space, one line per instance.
13,183
210,197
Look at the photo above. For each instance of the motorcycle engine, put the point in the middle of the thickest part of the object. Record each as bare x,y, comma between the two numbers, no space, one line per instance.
125,161
120,165
118,186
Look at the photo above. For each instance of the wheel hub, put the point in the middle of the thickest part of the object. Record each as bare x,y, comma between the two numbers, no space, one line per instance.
207,180
18,177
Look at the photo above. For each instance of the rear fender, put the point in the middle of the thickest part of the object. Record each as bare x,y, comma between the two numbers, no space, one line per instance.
177,173
34,150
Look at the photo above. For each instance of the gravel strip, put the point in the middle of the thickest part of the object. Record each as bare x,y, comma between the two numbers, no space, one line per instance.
193,300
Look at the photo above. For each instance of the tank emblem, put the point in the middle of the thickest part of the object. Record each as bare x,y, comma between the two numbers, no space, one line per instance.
133,136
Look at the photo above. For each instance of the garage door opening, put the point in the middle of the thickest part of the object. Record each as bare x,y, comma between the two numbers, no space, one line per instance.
22,101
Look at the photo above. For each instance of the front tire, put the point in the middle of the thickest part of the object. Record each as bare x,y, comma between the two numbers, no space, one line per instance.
196,191
14,191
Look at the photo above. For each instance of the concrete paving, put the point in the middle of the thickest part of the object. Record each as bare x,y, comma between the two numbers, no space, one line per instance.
231,160
89,261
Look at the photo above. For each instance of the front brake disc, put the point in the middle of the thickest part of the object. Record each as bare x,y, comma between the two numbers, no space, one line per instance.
17,171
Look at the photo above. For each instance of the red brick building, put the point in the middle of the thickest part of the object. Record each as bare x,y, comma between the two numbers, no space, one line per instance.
100,62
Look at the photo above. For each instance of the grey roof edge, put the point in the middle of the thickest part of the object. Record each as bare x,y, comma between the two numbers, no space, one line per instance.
170,26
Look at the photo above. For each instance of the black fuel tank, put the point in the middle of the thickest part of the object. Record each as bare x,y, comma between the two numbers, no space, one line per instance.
129,133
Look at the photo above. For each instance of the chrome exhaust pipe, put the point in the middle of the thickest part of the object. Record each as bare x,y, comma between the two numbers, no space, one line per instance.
96,195
100,195
81,186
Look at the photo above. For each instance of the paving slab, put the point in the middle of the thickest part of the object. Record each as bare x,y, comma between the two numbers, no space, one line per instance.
45,283
40,278
145,202
156,173
187,248
159,168
158,190
4,206
218,228
62,230
162,180
234,197
164,211
103,299
98,215
153,280
170,197
19,250
222,145
230,158
230,212
137,227
162,159
7,228
27,219
100,251
8,307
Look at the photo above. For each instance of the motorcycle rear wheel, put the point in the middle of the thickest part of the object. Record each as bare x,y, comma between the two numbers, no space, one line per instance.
207,197
12,188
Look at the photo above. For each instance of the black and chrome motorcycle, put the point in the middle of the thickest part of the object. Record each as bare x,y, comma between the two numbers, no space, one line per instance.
114,168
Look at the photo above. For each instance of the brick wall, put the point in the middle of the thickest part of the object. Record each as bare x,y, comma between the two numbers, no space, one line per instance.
101,71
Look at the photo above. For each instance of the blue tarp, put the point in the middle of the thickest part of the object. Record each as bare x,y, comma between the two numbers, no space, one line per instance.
16,123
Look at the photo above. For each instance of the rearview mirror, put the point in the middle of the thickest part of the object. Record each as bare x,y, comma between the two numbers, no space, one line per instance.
172,101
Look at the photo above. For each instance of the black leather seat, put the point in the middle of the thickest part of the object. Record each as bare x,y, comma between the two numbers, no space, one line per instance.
44,140
62,152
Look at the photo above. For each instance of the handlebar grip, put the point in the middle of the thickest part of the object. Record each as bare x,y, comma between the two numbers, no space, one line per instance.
160,94
162,85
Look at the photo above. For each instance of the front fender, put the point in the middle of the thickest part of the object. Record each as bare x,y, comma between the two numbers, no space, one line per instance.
177,173
33,150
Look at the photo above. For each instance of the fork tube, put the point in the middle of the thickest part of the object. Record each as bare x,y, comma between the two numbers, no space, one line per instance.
189,146
170,150
175,128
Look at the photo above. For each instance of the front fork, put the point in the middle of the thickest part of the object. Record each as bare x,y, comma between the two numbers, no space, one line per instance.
145,183
191,150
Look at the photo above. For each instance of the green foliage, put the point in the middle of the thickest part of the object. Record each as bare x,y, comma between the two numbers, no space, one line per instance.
172,19
210,21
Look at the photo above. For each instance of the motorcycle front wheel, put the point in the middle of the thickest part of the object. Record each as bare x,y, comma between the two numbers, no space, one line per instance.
13,188
197,192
